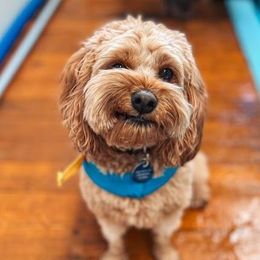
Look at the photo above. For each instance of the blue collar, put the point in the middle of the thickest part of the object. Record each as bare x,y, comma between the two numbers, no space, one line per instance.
124,185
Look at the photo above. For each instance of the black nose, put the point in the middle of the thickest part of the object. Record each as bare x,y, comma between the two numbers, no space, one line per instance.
144,101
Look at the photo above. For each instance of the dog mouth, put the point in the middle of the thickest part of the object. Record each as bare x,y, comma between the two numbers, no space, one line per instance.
138,120
131,150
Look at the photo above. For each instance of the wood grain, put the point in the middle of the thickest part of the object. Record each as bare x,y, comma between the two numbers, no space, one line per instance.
40,221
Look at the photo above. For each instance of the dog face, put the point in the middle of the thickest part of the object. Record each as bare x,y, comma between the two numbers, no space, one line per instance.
132,85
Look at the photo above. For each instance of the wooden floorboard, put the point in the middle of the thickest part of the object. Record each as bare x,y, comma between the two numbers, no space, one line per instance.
40,221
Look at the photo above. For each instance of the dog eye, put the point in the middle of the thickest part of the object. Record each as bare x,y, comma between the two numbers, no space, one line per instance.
166,74
117,65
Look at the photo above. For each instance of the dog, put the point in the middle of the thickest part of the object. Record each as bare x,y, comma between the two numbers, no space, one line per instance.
133,98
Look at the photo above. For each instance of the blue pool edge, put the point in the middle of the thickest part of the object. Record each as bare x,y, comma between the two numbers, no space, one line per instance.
243,15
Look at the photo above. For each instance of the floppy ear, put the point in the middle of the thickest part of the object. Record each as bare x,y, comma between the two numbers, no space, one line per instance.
75,76
180,150
197,97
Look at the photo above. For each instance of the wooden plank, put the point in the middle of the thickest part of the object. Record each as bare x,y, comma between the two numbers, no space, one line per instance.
39,221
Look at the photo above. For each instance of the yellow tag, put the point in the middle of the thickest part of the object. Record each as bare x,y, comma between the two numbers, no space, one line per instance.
71,170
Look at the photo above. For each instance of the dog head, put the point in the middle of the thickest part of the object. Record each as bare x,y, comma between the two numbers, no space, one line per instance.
132,85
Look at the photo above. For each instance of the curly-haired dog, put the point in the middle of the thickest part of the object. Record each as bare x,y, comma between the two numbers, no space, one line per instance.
133,97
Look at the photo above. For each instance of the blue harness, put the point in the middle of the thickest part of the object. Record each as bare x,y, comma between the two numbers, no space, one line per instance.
124,185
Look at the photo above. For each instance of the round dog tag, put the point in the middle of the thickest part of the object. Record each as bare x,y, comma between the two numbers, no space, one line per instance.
142,172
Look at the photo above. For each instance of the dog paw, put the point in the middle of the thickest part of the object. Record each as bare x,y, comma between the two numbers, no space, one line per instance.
114,256
198,203
200,198
167,254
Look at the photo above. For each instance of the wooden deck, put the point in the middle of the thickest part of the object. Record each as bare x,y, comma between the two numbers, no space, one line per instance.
40,221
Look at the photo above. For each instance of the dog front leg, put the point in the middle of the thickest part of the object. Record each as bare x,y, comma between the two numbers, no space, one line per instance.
164,250
113,233
201,191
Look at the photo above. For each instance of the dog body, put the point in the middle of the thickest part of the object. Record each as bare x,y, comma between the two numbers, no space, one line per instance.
134,89
150,211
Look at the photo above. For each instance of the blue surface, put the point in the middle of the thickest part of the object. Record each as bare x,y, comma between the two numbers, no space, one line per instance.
17,25
245,16
124,185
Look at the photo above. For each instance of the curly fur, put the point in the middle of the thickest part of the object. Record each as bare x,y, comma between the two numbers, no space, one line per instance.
93,94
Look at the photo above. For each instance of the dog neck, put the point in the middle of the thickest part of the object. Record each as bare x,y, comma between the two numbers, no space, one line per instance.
111,159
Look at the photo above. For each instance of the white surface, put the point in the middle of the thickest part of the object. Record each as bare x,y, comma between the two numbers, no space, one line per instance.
9,9
26,45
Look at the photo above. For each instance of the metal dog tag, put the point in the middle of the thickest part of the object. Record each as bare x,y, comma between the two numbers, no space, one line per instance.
142,172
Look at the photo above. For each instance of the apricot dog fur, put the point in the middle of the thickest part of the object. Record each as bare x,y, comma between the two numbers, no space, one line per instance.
95,103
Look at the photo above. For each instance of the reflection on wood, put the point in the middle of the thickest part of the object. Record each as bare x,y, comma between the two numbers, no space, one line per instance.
40,221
